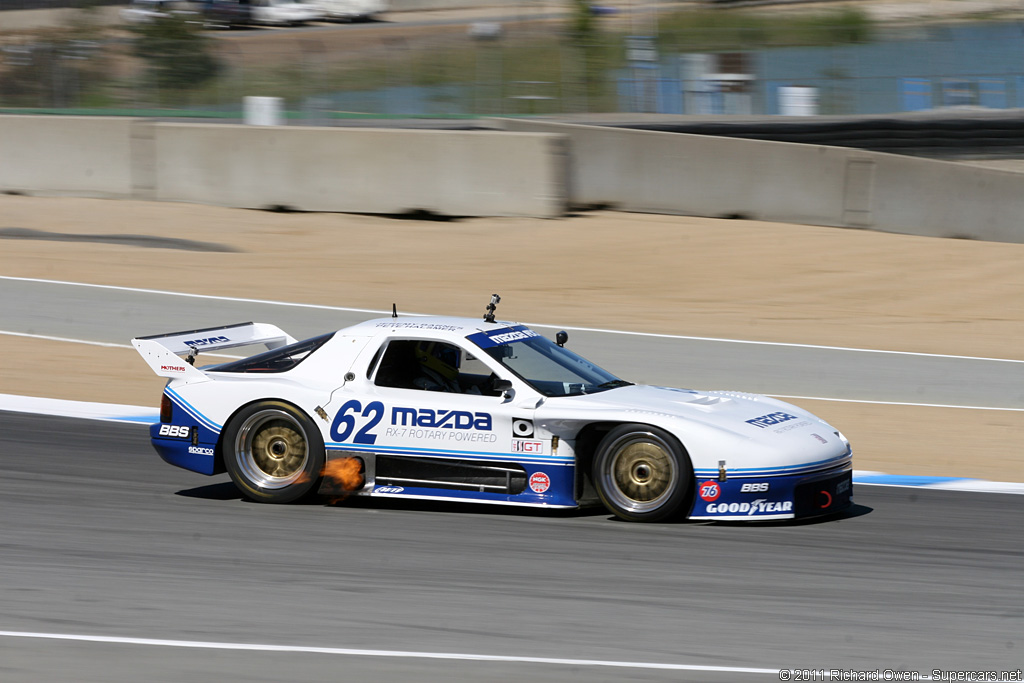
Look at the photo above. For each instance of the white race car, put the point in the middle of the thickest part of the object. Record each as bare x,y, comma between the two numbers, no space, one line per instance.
482,411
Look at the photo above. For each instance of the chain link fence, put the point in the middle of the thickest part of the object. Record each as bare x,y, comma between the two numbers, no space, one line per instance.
323,76
316,78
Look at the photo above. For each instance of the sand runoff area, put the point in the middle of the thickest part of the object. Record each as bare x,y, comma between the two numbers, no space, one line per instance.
649,273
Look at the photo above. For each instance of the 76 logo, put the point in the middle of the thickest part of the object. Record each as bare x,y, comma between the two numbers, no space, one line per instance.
710,490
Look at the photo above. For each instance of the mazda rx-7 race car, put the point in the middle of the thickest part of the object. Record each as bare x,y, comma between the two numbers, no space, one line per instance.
483,411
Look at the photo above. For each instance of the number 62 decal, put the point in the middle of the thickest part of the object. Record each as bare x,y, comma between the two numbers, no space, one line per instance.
345,421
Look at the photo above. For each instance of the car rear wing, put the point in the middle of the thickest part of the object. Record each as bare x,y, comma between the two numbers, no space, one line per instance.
162,351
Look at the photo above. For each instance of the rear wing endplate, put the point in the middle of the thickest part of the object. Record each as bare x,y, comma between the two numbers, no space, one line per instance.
162,351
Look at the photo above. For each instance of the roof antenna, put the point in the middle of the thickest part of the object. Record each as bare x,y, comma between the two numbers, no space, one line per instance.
489,315
394,310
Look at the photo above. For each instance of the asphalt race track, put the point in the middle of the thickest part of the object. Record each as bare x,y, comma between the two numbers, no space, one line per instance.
101,540
118,567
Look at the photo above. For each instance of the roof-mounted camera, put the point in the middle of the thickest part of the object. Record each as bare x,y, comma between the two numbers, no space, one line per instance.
489,315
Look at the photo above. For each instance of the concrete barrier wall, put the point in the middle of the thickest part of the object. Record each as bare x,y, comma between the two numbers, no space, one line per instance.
361,170
521,173
32,19
423,5
453,173
811,184
943,199
35,19
80,155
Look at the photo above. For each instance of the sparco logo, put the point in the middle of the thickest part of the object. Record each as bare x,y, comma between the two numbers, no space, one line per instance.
756,507
770,419
206,340
199,450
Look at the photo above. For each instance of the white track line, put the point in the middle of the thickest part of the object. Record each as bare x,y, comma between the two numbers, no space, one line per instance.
165,292
544,325
782,396
113,412
91,343
65,339
353,652
892,403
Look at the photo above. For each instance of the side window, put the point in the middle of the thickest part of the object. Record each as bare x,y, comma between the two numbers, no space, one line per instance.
432,366
398,367
473,368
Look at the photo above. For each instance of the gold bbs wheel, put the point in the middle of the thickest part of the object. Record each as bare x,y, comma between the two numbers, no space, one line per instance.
642,473
272,449
273,452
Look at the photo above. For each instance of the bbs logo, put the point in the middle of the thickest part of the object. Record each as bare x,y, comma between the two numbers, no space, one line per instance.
174,431
758,487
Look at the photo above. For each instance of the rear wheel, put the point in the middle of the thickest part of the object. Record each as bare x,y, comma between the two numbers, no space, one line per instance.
642,473
273,452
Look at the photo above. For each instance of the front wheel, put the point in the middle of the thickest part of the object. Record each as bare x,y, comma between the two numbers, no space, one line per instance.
642,473
273,452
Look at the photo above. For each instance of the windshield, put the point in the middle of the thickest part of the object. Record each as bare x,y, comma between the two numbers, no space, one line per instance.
550,369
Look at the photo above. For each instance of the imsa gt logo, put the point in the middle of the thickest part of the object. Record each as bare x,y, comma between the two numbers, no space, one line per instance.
771,419
524,446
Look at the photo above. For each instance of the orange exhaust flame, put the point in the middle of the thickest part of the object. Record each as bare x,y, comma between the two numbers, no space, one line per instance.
345,474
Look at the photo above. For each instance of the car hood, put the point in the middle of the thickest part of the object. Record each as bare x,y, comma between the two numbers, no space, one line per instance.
754,434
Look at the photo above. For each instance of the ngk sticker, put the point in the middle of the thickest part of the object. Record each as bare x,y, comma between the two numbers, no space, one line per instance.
540,482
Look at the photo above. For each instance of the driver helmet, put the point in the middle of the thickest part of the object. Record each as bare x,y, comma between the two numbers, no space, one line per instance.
440,357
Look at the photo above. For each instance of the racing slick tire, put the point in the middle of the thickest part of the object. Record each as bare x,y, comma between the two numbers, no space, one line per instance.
642,473
273,452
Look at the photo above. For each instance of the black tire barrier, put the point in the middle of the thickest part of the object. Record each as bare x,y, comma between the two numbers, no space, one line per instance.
961,135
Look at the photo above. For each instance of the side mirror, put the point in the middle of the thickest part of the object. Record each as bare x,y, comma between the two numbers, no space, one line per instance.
502,386
561,338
